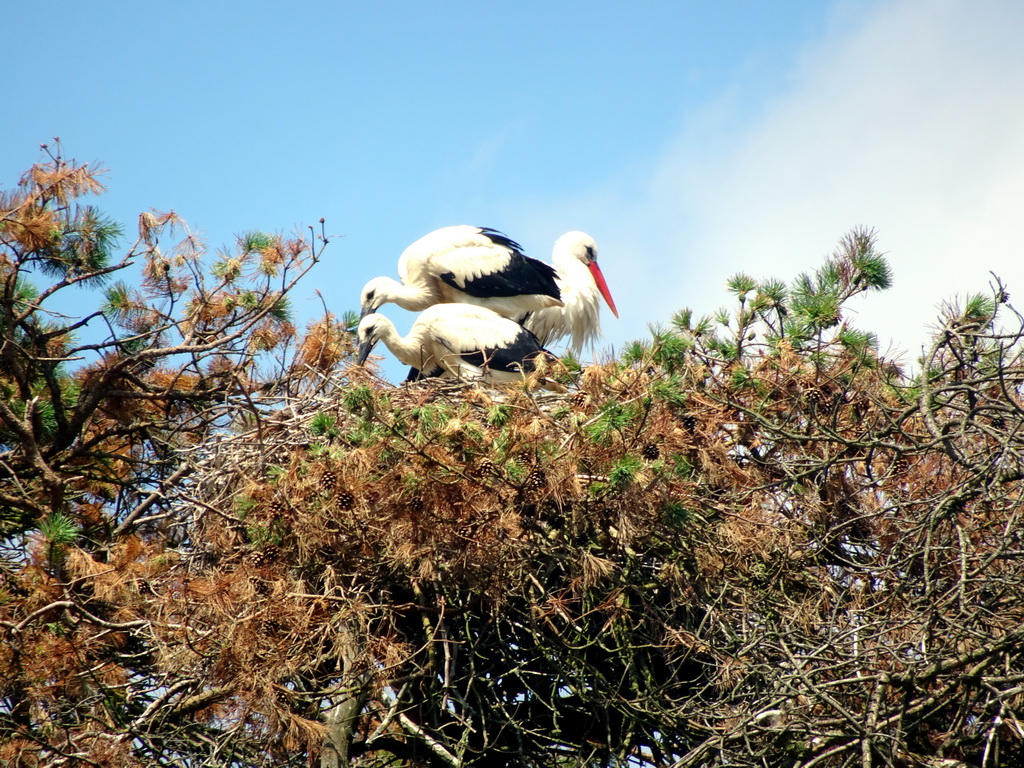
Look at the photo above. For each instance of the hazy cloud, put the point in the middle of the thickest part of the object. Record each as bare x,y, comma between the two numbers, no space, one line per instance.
907,117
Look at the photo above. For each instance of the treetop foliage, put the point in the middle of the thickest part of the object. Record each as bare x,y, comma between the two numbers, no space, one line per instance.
749,541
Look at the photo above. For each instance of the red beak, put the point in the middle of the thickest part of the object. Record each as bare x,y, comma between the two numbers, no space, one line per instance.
602,286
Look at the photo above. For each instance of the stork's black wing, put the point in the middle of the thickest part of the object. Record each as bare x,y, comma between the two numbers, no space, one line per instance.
518,355
519,275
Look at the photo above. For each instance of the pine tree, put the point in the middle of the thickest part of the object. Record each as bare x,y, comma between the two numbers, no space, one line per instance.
98,414
750,541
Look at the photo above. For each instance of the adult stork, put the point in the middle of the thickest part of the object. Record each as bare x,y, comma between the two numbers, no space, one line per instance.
457,340
467,265
582,285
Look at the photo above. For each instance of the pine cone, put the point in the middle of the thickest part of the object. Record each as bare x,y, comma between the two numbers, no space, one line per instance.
270,626
264,556
276,508
328,481
483,467
416,504
689,423
536,480
651,451
346,500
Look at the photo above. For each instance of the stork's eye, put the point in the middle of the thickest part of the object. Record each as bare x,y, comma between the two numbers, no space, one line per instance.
591,255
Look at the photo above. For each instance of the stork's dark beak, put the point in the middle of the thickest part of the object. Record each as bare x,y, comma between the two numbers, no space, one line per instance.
364,351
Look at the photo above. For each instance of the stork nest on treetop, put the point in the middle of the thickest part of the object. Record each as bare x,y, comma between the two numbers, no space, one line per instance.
397,517
445,478
354,502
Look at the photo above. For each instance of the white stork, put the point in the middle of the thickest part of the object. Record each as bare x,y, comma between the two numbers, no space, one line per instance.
457,340
582,285
467,265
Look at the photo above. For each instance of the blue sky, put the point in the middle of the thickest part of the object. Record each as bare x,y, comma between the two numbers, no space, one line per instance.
692,140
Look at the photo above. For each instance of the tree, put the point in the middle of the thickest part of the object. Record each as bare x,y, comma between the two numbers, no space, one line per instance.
749,541
96,415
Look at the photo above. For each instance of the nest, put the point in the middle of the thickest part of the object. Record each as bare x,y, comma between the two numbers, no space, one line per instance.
435,476
350,527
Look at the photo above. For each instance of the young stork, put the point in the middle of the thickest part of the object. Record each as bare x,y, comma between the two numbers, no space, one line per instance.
582,285
468,265
457,340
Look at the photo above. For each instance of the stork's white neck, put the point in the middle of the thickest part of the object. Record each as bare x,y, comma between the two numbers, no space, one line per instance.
410,350
415,296
580,318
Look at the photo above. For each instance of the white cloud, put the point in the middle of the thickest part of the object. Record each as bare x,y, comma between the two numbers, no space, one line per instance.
907,117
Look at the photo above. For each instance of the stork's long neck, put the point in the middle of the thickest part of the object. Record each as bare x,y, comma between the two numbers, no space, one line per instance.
409,349
574,277
582,311
417,290
413,296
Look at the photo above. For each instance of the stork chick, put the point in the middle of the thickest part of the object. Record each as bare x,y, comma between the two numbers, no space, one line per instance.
458,340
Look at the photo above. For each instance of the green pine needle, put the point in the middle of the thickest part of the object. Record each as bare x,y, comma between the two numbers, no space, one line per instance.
499,415
741,284
633,352
678,515
624,470
255,242
978,309
59,529
358,398
323,424
350,320
874,272
682,320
